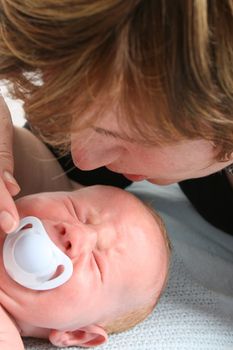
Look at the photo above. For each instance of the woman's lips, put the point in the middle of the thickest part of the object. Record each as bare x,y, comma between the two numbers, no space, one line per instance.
133,177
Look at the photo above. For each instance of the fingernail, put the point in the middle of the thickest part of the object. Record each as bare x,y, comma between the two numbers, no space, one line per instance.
7,222
10,178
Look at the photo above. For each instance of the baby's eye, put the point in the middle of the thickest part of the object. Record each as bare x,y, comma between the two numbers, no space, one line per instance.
92,219
88,216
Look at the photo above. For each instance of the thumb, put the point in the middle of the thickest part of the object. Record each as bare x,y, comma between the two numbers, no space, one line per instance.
6,135
8,186
6,149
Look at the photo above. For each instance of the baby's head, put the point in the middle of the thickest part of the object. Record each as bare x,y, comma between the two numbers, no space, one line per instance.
120,255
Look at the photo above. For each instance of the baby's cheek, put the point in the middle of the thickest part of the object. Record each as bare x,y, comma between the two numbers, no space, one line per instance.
107,238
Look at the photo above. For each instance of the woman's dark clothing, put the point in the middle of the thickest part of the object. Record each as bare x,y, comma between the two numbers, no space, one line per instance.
212,196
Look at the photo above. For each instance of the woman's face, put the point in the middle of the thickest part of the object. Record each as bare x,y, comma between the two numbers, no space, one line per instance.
104,144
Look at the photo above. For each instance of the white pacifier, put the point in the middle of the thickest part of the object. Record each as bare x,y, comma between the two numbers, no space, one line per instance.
32,259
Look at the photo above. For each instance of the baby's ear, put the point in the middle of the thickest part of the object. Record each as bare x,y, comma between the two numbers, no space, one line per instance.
86,337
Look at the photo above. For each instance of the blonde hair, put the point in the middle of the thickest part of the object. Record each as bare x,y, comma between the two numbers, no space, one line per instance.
165,66
129,320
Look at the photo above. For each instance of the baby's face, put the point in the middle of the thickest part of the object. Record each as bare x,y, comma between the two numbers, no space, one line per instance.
113,242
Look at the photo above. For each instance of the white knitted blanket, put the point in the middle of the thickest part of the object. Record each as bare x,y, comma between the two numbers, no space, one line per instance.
196,310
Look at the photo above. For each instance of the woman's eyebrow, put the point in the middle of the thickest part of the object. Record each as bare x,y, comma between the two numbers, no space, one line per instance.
114,134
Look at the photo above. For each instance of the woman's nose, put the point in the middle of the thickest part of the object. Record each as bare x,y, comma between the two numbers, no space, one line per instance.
94,153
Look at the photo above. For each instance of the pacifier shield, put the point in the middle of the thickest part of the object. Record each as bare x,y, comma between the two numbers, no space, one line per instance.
32,253
32,259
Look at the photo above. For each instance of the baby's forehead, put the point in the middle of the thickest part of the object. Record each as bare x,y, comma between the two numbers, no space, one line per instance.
131,205
151,222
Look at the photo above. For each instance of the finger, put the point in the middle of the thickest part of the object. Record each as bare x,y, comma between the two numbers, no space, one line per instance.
6,149
8,186
10,183
6,133
9,218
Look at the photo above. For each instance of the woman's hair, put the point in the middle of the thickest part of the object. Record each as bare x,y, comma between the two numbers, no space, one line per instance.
164,67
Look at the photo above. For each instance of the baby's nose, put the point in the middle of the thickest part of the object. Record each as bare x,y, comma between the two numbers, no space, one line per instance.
78,239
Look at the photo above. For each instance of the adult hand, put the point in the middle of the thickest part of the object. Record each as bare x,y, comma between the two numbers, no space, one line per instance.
9,218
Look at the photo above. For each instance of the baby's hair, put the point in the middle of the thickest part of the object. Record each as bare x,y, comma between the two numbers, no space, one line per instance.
130,319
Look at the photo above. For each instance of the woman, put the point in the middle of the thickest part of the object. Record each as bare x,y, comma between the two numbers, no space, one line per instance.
141,88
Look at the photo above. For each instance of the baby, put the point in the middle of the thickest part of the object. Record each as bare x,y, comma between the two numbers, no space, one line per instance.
120,255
